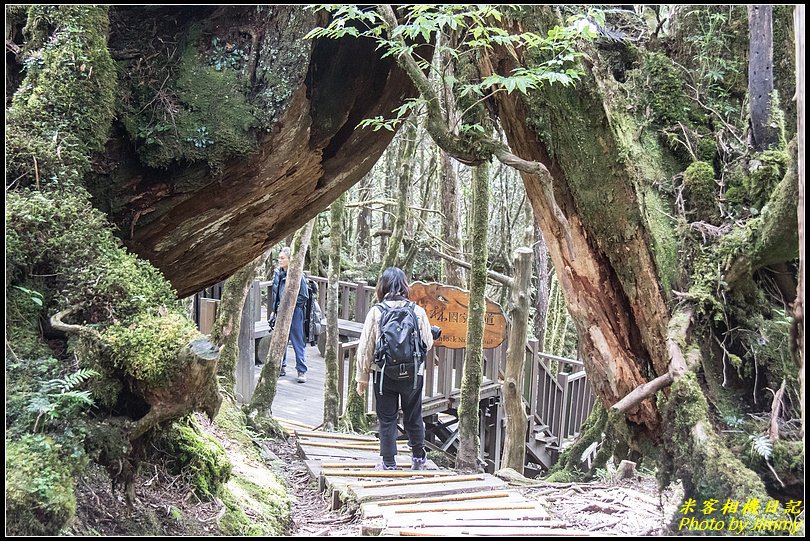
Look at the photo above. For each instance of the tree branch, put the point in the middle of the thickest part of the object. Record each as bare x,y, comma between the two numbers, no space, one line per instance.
679,324
455,146
59,325
495,276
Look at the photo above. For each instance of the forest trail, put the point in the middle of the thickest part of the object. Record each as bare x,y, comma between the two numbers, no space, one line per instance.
443,502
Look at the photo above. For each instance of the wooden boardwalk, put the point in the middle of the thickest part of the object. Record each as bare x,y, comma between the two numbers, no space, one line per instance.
300,402
431,502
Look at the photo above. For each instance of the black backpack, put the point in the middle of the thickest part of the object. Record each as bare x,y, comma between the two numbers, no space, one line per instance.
400,349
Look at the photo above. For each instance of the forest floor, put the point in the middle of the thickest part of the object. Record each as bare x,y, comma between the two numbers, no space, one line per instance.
167,504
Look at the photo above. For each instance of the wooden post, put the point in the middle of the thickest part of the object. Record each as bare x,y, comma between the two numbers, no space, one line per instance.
514,449
361,300
245,368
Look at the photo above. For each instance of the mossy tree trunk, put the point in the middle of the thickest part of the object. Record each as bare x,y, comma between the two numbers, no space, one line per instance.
225,333
404,168
331,398
262,401
514,447
618,279
468,421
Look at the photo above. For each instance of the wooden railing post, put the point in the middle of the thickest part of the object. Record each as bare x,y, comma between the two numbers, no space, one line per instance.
341,377
247,352
562,408
361,302
256,301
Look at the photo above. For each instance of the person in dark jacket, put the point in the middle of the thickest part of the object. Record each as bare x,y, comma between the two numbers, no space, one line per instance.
297,325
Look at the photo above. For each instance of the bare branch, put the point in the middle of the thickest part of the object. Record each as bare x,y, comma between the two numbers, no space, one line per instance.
495,276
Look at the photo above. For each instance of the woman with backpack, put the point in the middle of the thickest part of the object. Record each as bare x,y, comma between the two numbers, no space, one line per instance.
395,339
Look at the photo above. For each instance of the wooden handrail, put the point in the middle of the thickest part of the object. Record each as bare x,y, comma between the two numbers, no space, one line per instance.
558,401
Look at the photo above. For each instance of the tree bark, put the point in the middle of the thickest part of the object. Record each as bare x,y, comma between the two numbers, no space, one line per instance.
514,447
468,421
361,249
265,393
295,146
225,333
407,152
541,271
331,392
760,76
798,23
454,275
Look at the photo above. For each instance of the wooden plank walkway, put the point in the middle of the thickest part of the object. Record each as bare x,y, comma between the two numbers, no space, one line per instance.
431,502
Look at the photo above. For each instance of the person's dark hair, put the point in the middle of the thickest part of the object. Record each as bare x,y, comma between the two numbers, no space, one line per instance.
392,284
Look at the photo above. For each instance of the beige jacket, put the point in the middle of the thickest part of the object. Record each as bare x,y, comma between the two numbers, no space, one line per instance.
368,339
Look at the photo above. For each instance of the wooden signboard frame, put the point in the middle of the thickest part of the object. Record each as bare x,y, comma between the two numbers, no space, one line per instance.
447,308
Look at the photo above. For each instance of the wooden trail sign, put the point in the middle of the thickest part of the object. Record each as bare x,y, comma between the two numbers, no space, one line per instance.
447,307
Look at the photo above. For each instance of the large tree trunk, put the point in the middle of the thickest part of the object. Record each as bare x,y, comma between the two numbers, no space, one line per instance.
618,278
227,154
611,285
468,421
331,392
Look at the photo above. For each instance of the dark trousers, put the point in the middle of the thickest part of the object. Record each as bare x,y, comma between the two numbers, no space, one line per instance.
394,391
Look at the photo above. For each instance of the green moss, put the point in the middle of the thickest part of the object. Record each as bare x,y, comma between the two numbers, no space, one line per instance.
197,456
62,111
212,121
788,456
59,235
694,453
232,421
664,240
23,314
148,346
39,488
767,169
267,506
568,466
707,149
698,179
667,96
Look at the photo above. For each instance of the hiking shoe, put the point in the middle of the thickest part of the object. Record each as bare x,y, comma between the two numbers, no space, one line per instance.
418,464
302,377
383,467
283,372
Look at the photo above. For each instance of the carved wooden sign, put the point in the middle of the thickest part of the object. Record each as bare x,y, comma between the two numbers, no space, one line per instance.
447,307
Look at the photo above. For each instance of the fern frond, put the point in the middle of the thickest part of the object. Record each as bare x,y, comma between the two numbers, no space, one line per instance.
762,446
